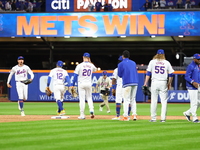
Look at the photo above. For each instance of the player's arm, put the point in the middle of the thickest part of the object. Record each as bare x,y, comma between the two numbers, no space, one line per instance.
169,83
48,81
188,76
9,78
31,73
67,81
148,75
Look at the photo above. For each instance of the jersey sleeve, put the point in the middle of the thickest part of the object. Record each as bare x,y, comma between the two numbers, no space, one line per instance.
30,72
115,74
149,67
12,71
170,69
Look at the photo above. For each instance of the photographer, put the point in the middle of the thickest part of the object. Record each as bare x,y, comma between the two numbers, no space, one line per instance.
104,84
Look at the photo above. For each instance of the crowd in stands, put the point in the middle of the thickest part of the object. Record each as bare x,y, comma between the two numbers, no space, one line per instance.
162,4
21,5
98,7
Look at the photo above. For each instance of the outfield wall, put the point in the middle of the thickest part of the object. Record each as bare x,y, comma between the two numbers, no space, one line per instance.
37,88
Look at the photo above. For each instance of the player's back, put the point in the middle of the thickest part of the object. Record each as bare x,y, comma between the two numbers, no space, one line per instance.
58,75
160,69
84,71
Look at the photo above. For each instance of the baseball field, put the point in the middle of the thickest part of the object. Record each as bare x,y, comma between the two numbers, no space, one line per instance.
37,131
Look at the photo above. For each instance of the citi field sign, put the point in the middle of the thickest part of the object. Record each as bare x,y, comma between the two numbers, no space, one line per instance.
82,5
100,24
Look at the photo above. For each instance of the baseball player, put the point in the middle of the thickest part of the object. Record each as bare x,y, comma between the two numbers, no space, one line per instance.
129,77
83,73
117,89
159,69
60,80
21,72
192,78
104,83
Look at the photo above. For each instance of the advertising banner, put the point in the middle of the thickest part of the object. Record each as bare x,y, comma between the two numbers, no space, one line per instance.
59,6
100,24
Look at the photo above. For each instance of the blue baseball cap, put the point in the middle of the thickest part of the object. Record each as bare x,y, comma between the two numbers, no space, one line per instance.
104,73
196,56
86,55
20,57
160,51
59,63
120,58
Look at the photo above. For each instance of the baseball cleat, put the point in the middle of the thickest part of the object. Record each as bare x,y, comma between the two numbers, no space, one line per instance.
22,113
62,112
100,108
196,121
152,120
91,115
186,116
162,120
116,118
108,111
125,119
80,117
134,117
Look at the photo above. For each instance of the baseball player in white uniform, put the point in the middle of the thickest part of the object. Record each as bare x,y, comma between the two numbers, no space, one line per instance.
60,80
117,89
162,75
21,72
83,72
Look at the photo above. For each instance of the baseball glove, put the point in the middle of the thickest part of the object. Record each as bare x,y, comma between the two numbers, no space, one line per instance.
48,91
107,91
73,92
146,91
27,81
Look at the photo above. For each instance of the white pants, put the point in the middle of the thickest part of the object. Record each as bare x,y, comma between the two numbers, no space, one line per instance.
59,91
159,88
129,95
22,90
118,98
194,103
85,93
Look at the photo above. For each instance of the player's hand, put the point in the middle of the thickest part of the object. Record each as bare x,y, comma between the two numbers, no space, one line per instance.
8,85
195,84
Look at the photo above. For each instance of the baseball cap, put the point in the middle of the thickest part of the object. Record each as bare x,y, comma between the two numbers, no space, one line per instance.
104,73
60,63
160,51
120,58
196,56
20,57
86,55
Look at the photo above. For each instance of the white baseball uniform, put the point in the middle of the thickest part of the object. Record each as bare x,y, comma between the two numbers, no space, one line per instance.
159,71
58,75
21,73
84,71
119,97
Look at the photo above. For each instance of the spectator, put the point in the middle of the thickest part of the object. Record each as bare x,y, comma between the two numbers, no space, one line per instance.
110,7
147,5
1,6
105,6
155,4
22,6
90,7
179,4
8,6
187,4
162,4
13,6
98,6
30,7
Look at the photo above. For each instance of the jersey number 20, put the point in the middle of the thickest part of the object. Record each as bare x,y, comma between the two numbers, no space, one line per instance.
86,72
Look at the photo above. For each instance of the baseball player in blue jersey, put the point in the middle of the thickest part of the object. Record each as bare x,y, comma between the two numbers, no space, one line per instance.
60,80
161,73
21,72
192,78
127,70
117,92
83,73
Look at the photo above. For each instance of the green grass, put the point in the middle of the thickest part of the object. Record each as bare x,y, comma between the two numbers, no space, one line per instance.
96,134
